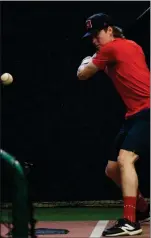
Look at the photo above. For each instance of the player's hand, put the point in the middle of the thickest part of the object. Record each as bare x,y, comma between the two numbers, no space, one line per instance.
94,56
84,62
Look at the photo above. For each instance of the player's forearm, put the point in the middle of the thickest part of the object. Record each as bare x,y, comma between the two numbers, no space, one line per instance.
87,69
80,73
84,63
82,77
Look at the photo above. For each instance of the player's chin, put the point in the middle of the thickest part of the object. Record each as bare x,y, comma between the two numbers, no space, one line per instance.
98,47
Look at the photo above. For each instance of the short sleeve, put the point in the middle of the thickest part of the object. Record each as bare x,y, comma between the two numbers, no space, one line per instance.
104,56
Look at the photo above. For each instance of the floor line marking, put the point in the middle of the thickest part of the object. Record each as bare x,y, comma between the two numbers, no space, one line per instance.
98,229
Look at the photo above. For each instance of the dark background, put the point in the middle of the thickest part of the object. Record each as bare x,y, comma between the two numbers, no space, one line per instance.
63,126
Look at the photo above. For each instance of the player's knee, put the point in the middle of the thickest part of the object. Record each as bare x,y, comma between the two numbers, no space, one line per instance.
108,172
111,170
121,161
126,157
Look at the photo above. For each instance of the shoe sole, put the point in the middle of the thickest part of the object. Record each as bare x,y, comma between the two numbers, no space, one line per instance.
127,233
145,220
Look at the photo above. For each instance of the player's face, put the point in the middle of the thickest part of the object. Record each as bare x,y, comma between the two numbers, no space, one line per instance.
103,37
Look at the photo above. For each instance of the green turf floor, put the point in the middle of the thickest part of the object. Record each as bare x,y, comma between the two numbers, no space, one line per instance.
71,214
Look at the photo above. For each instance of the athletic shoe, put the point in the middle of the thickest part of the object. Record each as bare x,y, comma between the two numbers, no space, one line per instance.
123,227
143,216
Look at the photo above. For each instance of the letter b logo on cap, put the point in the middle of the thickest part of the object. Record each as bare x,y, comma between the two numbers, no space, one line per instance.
88,24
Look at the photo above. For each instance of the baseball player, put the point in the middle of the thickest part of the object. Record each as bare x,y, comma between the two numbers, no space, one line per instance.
124,62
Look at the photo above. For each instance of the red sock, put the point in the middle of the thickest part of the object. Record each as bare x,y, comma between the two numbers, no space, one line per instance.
130,208
141,204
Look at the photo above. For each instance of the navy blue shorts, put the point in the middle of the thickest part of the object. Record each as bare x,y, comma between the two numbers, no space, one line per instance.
134,135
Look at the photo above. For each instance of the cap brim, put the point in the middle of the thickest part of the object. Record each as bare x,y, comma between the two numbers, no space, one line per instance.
87,34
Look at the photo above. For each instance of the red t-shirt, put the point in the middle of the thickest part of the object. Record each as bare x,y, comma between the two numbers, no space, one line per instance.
124,62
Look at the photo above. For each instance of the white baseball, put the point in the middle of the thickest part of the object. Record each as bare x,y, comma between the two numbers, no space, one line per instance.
6,78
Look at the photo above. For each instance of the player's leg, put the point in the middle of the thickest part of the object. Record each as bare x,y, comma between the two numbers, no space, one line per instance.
136,142
129,185
129,182
134,146
112,171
